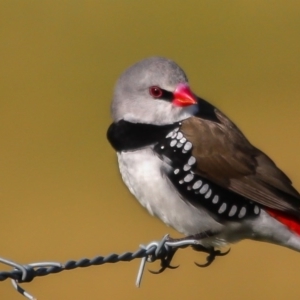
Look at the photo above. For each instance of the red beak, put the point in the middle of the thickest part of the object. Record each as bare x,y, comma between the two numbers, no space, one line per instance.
183,96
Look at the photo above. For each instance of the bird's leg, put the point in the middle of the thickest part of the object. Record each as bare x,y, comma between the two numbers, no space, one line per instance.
212,253
165,262
197,236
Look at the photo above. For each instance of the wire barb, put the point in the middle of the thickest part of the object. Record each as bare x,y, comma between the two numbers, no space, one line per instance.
164,250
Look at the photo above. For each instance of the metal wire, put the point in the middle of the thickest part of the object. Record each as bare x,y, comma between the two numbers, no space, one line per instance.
151,252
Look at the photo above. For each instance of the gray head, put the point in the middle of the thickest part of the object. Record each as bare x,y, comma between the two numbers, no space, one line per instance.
154,90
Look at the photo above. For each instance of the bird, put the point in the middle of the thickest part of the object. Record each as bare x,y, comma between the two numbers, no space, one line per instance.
189,165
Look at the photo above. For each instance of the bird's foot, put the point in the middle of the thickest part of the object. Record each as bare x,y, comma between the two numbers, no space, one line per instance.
166,257
212,254
165,261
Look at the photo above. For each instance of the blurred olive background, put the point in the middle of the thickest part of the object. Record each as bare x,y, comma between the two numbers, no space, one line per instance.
61,194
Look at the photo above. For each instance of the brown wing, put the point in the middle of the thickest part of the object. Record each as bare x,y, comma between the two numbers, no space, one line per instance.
226,157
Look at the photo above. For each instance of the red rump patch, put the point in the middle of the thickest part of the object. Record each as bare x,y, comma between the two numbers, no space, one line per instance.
292,222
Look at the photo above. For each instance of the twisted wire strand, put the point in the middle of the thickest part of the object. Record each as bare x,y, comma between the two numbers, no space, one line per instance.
33,272
151,252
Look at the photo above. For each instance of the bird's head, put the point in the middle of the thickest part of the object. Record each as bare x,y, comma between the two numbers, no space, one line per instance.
154,91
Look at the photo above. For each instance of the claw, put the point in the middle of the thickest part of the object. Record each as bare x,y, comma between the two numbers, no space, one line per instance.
163,268
173,267
224,253
208,263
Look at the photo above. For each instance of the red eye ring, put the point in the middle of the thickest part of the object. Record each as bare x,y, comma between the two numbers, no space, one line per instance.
155,91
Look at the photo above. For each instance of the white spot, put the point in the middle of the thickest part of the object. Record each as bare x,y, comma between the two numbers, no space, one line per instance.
184,151
242,212
176,129
179,145
197,184
180,123
256,209
215,199
222,208
208,194
179,135
169,134
183,140
232,211
186,167
204,189
162,147
189,188
181,181
176,171
191,160
188,177
174,134
173,143
188,146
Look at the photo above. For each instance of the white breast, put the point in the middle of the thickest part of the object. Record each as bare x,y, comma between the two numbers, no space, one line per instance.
144,174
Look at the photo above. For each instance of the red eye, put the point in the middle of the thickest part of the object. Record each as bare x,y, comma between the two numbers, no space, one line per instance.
155,91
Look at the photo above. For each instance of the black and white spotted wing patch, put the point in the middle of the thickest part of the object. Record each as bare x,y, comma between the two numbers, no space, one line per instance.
221,202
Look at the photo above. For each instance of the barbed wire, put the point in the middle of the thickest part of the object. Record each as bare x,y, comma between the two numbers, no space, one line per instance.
163,250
